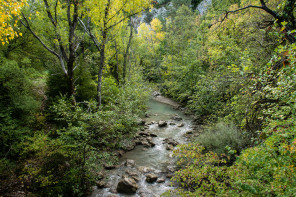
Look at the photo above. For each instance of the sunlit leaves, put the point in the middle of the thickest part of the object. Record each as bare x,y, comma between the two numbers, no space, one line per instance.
9,12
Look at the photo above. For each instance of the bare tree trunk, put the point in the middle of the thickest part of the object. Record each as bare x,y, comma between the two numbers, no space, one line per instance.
117,65
72,55
126,52
100,74
102,53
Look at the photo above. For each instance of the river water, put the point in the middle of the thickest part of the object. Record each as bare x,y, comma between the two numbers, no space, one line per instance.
156,158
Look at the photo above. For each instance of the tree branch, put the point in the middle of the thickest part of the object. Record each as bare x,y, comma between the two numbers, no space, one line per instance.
124,19
27,25
49,13
117,11
90,34
275,15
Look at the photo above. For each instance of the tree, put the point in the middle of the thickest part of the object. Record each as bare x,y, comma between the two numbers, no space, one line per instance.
285,20
106,16
63,45
9,10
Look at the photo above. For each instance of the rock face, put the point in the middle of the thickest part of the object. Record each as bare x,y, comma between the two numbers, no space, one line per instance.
127,186
162,123
150,178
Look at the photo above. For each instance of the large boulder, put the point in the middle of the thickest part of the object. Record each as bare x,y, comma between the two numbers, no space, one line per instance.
162,123
150,178
127,186
134,174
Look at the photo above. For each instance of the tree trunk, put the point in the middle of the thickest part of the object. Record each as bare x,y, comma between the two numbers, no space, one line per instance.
102,53
126,53
100,73
117,65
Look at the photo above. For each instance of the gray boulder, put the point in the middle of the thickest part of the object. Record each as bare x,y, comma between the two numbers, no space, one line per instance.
162,123
130,163
127,186
150,178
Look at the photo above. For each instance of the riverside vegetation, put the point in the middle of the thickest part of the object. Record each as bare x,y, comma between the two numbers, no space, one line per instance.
74,78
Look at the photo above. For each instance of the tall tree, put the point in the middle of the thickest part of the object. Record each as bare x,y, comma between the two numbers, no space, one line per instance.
61,15
106,16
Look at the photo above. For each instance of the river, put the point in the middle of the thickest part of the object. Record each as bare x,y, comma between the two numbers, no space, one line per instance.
156,159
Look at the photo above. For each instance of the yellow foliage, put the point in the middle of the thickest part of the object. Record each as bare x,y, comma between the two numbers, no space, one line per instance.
116,10
156,25
9,10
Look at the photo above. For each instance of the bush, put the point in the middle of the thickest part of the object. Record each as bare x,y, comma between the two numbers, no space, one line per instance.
18,105
200,174
216,138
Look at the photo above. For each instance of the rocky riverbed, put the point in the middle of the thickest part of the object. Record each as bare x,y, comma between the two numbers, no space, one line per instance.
145,170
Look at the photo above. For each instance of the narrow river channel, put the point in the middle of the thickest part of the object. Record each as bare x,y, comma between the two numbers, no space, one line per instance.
157,159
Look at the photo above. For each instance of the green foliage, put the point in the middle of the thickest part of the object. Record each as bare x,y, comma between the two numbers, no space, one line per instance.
219,136
269,168
265,170
201,174
18,104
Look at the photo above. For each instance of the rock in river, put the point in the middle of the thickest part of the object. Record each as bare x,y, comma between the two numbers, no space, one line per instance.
177,117
162,123
101,184
181,125
127,185
169,147
130,163
150,178
160,180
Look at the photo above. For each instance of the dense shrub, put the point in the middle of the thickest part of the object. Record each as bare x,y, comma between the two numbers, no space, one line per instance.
18,105
221,135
